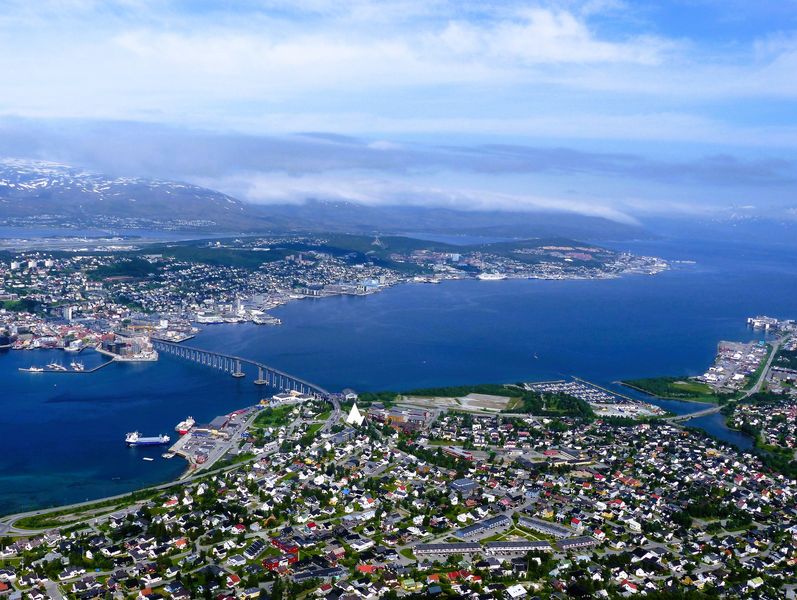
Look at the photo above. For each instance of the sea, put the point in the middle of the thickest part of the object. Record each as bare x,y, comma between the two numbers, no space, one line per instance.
62,436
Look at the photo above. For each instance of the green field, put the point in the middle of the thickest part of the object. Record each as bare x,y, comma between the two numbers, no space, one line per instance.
134,267
273,417
674,388
23,305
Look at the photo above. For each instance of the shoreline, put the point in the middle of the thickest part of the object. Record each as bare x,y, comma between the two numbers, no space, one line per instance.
668,398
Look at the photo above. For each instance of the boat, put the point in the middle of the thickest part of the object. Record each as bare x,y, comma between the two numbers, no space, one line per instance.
77,366
32,370
491,276
148,459
136,439
184,427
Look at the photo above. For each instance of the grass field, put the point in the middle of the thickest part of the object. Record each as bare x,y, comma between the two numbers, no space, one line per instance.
674,388
273,417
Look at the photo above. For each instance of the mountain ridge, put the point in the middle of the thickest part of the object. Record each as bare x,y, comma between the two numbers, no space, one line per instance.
48,193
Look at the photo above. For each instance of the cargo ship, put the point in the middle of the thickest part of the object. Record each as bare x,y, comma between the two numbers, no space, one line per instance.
135,439
184,427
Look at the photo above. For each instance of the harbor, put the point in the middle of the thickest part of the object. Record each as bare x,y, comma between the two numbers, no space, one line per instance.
75,368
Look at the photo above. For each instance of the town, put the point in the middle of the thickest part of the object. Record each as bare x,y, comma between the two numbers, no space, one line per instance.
173,287
526,490
362,496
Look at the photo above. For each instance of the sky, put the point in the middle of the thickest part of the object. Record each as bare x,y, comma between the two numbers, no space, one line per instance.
628,110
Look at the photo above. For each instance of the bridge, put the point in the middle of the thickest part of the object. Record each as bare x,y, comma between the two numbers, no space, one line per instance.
701,413
266,375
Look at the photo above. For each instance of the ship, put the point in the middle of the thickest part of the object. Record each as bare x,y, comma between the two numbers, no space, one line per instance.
491,276
32,370
184,427
77,366
135,439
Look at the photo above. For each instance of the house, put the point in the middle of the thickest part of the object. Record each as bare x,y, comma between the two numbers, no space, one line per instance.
513,592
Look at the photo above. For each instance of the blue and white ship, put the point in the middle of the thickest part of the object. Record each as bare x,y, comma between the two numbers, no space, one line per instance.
135,439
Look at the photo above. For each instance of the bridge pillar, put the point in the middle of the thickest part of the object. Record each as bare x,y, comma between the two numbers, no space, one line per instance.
238,372
260,380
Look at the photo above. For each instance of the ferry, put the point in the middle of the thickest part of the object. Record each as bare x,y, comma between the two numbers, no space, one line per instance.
184,427
491,276
135,439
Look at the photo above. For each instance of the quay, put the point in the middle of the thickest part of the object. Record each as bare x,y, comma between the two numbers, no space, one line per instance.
213,447
66,371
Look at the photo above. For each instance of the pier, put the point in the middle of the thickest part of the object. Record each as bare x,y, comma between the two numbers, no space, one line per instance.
68,371
227,363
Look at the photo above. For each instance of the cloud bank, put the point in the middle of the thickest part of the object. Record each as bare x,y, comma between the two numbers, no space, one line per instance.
595,106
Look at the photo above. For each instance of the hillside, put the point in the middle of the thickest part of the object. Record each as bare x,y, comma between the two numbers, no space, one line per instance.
35,193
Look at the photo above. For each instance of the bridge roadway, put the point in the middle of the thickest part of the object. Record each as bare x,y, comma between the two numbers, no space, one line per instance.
232,364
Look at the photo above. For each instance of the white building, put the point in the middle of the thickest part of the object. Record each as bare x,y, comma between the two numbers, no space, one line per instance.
355,417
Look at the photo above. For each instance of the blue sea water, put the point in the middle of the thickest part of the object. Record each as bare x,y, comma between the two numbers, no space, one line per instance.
62,439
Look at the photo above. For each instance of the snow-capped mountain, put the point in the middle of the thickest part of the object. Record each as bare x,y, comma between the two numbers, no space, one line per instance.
52,194
46,191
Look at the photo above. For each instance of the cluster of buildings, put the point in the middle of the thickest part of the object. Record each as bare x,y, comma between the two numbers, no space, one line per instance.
773,421
360,511
734,364
190,285
127,346
773,325
532,262
361,507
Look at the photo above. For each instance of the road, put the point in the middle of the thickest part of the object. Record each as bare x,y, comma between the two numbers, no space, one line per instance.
756,387
758,384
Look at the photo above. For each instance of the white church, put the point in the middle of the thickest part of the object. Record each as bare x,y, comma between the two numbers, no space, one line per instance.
355,417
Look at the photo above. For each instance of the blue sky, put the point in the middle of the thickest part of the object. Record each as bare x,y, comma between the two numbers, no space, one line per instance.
623,109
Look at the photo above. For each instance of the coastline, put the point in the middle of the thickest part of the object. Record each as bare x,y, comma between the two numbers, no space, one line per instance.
668,398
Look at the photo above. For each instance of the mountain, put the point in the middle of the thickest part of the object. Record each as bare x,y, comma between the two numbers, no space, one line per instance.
51,194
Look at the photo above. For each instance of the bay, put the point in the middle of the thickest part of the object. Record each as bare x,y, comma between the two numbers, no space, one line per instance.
62,440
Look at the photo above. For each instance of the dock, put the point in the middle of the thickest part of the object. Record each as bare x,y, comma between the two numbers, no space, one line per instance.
66,371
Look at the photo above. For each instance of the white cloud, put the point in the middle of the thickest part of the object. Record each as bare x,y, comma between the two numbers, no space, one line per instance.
278,188
544,36
541,69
